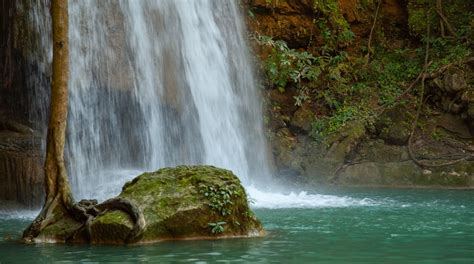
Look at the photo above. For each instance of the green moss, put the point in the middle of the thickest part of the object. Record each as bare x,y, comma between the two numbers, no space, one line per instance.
114,217
174,205
60,230
181,201
111,228
334,27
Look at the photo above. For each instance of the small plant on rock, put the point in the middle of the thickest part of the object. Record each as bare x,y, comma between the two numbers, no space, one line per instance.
220,197
217,228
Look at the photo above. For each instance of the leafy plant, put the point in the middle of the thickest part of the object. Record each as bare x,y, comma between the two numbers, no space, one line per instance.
217,228
344,87
220,197
285,65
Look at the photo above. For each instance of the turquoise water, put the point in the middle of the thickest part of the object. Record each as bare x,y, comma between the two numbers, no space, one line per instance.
395,226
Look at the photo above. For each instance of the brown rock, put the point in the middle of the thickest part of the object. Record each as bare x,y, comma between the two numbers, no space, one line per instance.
454,80
21,169
303,118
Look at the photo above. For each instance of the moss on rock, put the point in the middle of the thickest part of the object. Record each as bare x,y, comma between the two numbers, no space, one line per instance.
186,202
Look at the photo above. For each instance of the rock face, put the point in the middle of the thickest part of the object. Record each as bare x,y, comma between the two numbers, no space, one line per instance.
21,165
361,153
21,168
199,202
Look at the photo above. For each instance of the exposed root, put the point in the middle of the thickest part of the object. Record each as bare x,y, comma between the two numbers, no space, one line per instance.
44,219
418,112
131,209
87,210
444,20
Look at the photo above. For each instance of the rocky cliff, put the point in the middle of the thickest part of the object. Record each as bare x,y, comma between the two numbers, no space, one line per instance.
21,173
347,108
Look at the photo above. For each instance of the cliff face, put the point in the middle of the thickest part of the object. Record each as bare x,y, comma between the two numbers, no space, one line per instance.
21,174
297,22
21,170
13,63
350,122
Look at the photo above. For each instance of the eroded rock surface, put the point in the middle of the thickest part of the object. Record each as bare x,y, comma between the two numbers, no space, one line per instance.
195,202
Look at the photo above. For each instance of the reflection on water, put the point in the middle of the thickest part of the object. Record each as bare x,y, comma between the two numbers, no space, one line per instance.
398,226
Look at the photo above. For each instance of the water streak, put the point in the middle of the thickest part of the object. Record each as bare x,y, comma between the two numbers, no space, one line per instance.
158,83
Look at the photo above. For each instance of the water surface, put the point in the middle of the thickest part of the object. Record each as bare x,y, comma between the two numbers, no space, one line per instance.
349,226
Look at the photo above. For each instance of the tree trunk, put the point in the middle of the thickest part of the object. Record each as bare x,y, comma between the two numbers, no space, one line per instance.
59,200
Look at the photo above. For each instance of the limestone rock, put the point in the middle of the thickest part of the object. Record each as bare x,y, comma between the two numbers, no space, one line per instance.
394,126
21,165
303,118
192,202
454,80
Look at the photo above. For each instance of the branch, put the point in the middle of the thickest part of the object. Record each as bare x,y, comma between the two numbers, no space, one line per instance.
369,45
444,19
418,112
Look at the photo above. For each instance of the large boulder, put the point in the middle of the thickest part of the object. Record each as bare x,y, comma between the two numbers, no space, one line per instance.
186,202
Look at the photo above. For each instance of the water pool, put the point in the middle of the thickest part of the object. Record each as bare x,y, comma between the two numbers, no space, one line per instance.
385,226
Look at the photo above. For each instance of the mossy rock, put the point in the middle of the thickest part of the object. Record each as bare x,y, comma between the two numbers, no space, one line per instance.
186,202
394,126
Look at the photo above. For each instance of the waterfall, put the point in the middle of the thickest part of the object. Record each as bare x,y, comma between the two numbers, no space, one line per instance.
158,83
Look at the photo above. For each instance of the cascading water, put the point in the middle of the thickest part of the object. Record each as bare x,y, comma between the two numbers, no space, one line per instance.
158,83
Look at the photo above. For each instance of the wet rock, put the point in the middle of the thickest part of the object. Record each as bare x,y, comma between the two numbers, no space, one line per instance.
405,173
455,125
394,126
427,172
322,161
344,142
21,165
283,144
192,202
303,118
291,21
378,151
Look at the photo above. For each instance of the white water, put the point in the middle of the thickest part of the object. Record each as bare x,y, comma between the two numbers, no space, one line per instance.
158,83
302,199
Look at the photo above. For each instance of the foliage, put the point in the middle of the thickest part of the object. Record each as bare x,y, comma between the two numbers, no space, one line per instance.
217,228
220,197
445,51
423,12
285,65
327,125
334,28
390,73
344,87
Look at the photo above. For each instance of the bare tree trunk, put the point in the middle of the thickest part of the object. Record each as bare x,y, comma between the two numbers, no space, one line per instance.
59,200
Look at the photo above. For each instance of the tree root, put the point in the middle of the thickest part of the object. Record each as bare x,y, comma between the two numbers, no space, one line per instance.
45,218
426,76
87,210
444,20
369,44
131,209
420,104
